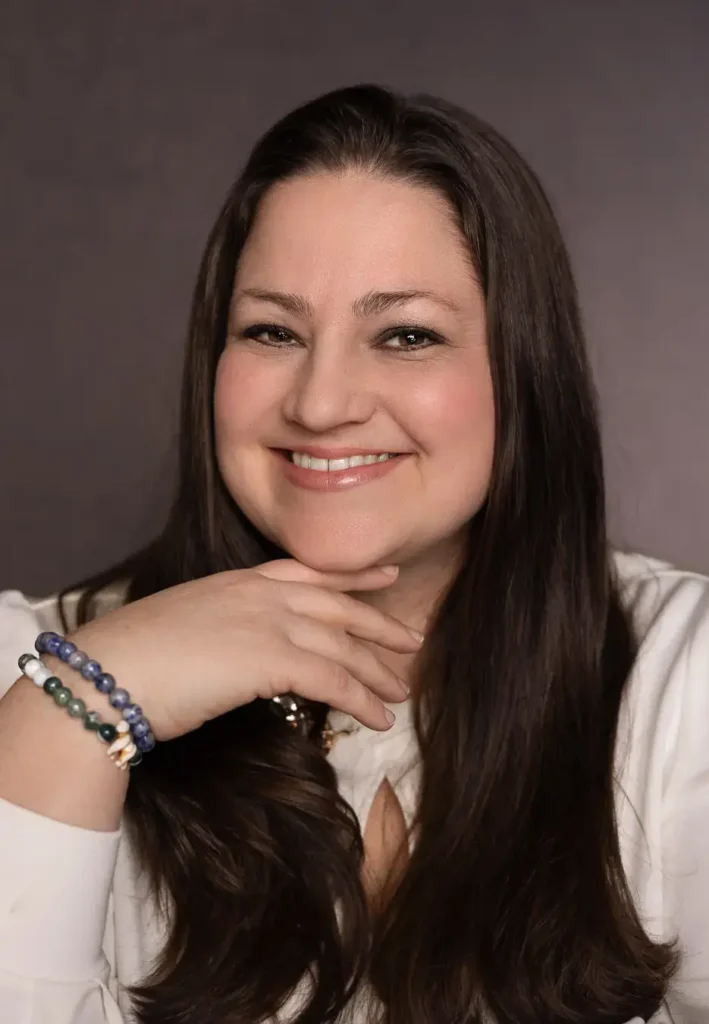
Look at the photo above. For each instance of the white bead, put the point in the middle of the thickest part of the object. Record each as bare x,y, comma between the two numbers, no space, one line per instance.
42,675
32,667
122,727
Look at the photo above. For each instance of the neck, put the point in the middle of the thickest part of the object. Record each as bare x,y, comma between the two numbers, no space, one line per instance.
414,597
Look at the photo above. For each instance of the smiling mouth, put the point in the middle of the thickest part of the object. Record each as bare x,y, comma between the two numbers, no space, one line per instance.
321,465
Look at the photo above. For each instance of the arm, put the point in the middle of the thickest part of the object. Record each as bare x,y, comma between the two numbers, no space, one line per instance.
55,878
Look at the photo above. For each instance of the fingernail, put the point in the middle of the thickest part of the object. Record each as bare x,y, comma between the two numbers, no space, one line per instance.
404,685
419,637
390,716
390,570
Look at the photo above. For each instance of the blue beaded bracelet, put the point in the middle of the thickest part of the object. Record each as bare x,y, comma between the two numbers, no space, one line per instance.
66,651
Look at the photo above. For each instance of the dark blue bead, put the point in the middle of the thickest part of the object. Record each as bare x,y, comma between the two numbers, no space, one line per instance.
40,642
52,643
145,743
77,660
24,659
119,699
104,683
141,728
90,670
65,649
133,713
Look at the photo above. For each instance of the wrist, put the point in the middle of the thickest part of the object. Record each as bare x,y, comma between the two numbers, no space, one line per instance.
124,725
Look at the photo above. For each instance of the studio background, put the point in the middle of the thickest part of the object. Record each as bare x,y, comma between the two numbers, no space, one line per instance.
123,126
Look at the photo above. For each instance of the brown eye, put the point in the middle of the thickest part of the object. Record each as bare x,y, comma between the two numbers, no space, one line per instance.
409,340
268,334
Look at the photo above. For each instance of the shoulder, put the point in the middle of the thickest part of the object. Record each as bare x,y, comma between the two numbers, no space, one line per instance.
669,684
669,607
19,626
664,723
663,739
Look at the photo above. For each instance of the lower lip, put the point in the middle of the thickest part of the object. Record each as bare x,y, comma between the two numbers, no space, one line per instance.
338,480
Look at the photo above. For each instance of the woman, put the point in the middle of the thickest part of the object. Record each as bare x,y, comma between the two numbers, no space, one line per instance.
388,430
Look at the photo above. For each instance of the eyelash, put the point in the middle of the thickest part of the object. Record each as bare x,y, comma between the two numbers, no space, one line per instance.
420,333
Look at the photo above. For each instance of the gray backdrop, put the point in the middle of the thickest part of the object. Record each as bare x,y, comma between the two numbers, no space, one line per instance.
123,125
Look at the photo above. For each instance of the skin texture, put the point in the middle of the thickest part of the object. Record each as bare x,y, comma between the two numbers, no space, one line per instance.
331,378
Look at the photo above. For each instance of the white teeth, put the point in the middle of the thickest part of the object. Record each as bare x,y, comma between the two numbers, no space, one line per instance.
333,465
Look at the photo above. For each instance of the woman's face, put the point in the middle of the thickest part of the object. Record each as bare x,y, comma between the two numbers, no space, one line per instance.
357,330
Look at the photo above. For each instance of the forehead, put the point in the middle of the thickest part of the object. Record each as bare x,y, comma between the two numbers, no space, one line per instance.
353,232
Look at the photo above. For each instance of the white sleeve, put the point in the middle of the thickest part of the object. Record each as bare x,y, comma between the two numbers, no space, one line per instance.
685,824
19,627
55,881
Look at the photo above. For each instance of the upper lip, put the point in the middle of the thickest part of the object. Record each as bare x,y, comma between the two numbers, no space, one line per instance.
319,452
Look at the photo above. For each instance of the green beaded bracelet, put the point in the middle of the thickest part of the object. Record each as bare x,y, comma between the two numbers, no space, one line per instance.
122,750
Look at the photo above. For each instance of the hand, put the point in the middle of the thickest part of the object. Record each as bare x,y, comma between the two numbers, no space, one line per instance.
195,651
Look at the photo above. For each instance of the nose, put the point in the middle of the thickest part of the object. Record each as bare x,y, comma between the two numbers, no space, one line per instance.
329,390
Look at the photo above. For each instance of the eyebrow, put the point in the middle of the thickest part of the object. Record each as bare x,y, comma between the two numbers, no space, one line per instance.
371,304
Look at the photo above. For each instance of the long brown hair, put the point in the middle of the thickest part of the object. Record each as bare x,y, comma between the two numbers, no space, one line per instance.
514,904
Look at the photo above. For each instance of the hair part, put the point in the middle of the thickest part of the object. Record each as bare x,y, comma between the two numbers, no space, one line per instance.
514,903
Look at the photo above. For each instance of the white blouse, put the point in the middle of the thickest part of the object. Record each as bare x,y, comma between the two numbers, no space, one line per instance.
77,924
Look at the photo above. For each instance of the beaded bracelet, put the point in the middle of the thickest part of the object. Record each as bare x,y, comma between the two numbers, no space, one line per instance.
122,749
142,734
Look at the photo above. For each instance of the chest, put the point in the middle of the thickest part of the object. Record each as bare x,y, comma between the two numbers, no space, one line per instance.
385,845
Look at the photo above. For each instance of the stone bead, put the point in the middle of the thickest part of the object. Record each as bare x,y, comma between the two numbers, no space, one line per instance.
31,666
141,727
107,732
135,759
77,660
104,682
119,699
62,696
145,743
41,675
76,707
41,641
51,644
22,661
52,684
92,721
66,647
132,713
90,669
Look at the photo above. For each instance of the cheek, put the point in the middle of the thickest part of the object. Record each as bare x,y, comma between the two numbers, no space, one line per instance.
454,418
243,394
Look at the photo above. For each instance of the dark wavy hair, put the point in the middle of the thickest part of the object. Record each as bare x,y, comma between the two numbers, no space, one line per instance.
514,905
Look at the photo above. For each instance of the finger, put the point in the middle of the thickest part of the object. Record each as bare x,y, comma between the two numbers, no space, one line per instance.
358,618
321,680
339,647
288,570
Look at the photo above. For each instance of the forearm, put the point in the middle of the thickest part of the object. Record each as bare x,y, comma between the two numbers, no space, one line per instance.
50,763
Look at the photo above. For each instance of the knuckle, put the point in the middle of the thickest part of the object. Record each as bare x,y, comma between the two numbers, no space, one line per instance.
340,680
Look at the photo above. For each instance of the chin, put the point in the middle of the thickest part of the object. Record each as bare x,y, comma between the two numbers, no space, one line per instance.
339,557
339,562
